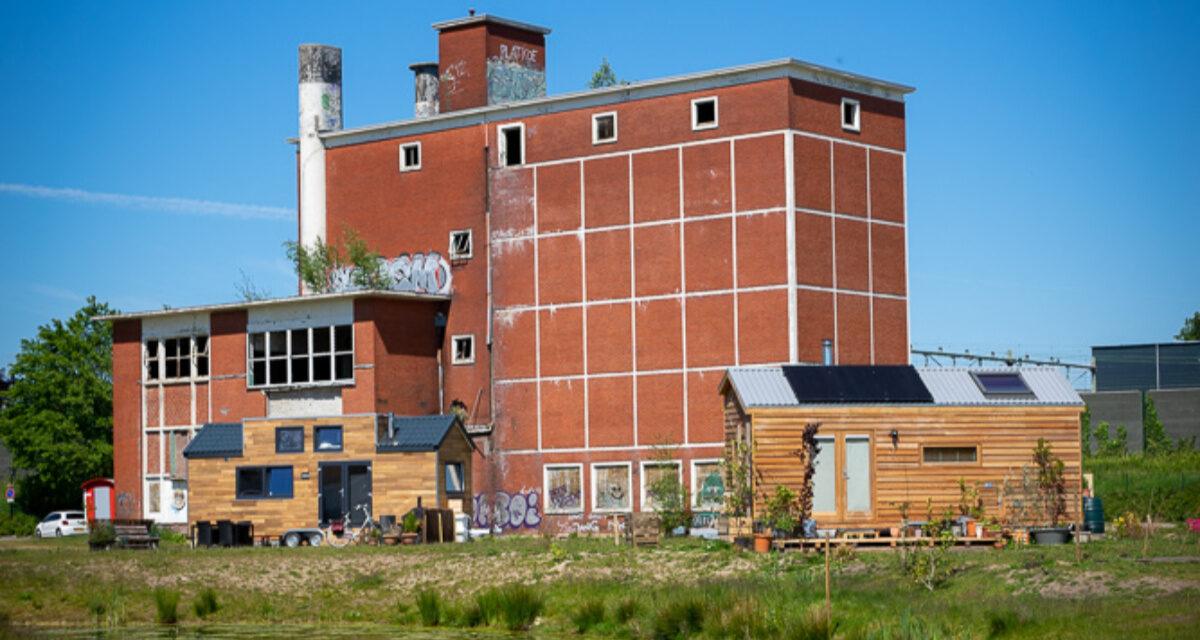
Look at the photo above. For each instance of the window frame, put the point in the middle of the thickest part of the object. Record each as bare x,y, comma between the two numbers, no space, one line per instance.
978,461
656,463
454,341
716,121
462,479
288,358
502,145
596,139
195,356
404,166
855,126
470,252
546,469
987,393
695,489
265,478
289,428
615,464
317,429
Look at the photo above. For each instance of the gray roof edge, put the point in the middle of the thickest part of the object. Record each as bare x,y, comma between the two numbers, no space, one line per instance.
486,17
230,306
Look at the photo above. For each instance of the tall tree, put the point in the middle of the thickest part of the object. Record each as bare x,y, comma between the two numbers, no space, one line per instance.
56,417
1191,328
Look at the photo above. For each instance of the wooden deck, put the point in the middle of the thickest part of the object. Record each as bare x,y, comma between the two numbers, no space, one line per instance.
852,540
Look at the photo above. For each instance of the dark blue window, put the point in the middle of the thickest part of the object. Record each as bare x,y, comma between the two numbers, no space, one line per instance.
327,439
289,440
257,483
1001,384
279,482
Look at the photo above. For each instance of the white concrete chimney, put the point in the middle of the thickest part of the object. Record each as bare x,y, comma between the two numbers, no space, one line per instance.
320,110
425,84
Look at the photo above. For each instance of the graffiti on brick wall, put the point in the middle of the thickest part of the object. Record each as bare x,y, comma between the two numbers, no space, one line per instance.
126,507
512,75
502,510
417,273
450,76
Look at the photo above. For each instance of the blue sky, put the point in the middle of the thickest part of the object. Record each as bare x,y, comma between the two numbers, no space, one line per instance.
1053,175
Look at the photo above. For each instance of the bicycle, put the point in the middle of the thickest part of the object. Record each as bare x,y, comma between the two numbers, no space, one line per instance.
365,532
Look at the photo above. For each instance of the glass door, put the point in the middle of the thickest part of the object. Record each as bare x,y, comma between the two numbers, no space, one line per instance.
345,488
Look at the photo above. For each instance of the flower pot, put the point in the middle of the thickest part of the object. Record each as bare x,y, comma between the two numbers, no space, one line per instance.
409,538
762,542
972,528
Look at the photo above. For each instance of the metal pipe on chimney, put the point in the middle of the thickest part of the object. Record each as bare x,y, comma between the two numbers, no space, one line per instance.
827,351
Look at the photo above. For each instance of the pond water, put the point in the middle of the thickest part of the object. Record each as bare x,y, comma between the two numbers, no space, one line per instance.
263,632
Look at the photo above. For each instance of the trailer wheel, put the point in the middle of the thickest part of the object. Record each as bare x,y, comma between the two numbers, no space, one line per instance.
292,539
314,539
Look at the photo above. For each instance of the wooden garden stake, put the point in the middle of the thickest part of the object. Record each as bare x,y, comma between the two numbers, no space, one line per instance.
828,601
1146,539
1078,531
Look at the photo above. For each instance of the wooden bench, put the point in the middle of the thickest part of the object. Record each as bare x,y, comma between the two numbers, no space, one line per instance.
135,534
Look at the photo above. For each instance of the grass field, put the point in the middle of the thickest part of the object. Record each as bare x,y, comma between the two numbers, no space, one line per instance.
591,587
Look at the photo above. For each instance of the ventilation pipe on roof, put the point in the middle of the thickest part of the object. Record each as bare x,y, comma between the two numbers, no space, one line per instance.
425,85
827,351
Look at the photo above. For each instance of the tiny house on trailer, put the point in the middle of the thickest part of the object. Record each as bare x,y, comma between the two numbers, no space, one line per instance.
294,473
891,435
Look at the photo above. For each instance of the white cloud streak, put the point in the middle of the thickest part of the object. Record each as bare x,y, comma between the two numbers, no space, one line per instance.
149,203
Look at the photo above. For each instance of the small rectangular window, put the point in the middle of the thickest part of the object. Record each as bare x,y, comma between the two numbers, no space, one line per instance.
949,455
410,156
300,356
658,477
604,127
257,483
850,114
464,349
178,358
327,439
704,113
460,244
512,145
564,488
708,485
289,440
454,479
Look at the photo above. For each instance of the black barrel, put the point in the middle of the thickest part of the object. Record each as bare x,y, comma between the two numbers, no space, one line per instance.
203,533
225,532
245,533
1093,515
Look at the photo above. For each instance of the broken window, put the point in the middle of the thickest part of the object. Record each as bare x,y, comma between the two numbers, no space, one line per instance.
464,349
604,128
564,488
410,156
301,356
460,244
512,142
704,113
176,358
611,487
850,114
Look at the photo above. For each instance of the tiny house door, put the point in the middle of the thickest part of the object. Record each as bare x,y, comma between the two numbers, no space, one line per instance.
345,488
825,477
857,474
842,479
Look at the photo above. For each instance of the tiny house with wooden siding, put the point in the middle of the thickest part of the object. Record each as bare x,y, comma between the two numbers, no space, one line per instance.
891,435
288,473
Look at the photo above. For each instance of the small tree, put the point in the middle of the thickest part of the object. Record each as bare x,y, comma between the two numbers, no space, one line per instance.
1154,435
604,77
672,500
1191,328
738,497
808,453
317,265
1051,481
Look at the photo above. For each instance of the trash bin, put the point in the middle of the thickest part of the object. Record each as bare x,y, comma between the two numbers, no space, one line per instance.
245,533
1093,515
203,533
225,533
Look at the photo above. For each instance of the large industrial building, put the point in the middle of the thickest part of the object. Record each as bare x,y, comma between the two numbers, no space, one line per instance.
573,273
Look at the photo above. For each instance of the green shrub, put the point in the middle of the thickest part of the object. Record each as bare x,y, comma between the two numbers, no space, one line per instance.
520,605
102,534
626,610
679,619
19,524
166,602
588,615
430,607
206,603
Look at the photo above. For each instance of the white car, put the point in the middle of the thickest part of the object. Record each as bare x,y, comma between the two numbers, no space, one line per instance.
61,523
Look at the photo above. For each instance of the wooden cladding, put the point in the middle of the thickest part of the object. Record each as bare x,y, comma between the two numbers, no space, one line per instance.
907,469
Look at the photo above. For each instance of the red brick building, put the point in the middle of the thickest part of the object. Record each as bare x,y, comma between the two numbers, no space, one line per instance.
608,254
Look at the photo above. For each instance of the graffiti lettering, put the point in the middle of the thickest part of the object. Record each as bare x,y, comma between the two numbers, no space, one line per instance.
505,511
418,273
518,54
451,74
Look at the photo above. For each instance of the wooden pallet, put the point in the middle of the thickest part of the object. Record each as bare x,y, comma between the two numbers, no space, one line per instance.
641,530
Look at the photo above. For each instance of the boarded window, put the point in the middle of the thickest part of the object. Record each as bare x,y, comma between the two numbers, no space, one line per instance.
652,475
611,486
939,455
564,488
708,485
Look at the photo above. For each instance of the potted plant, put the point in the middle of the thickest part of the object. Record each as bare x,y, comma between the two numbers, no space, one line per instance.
412,528
1052,487
781,511
101,536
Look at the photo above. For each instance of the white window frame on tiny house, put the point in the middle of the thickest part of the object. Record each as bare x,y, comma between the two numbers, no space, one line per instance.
404,164
469,338
657,463
696,124
596,117
453,250
856,125
697,480
596,466
502,143
546,469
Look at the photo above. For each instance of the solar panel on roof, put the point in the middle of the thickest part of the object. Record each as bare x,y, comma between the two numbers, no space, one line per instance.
857,384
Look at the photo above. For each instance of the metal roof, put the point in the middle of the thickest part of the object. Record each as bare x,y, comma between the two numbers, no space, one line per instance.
216,440
955,385
760,387
419,433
